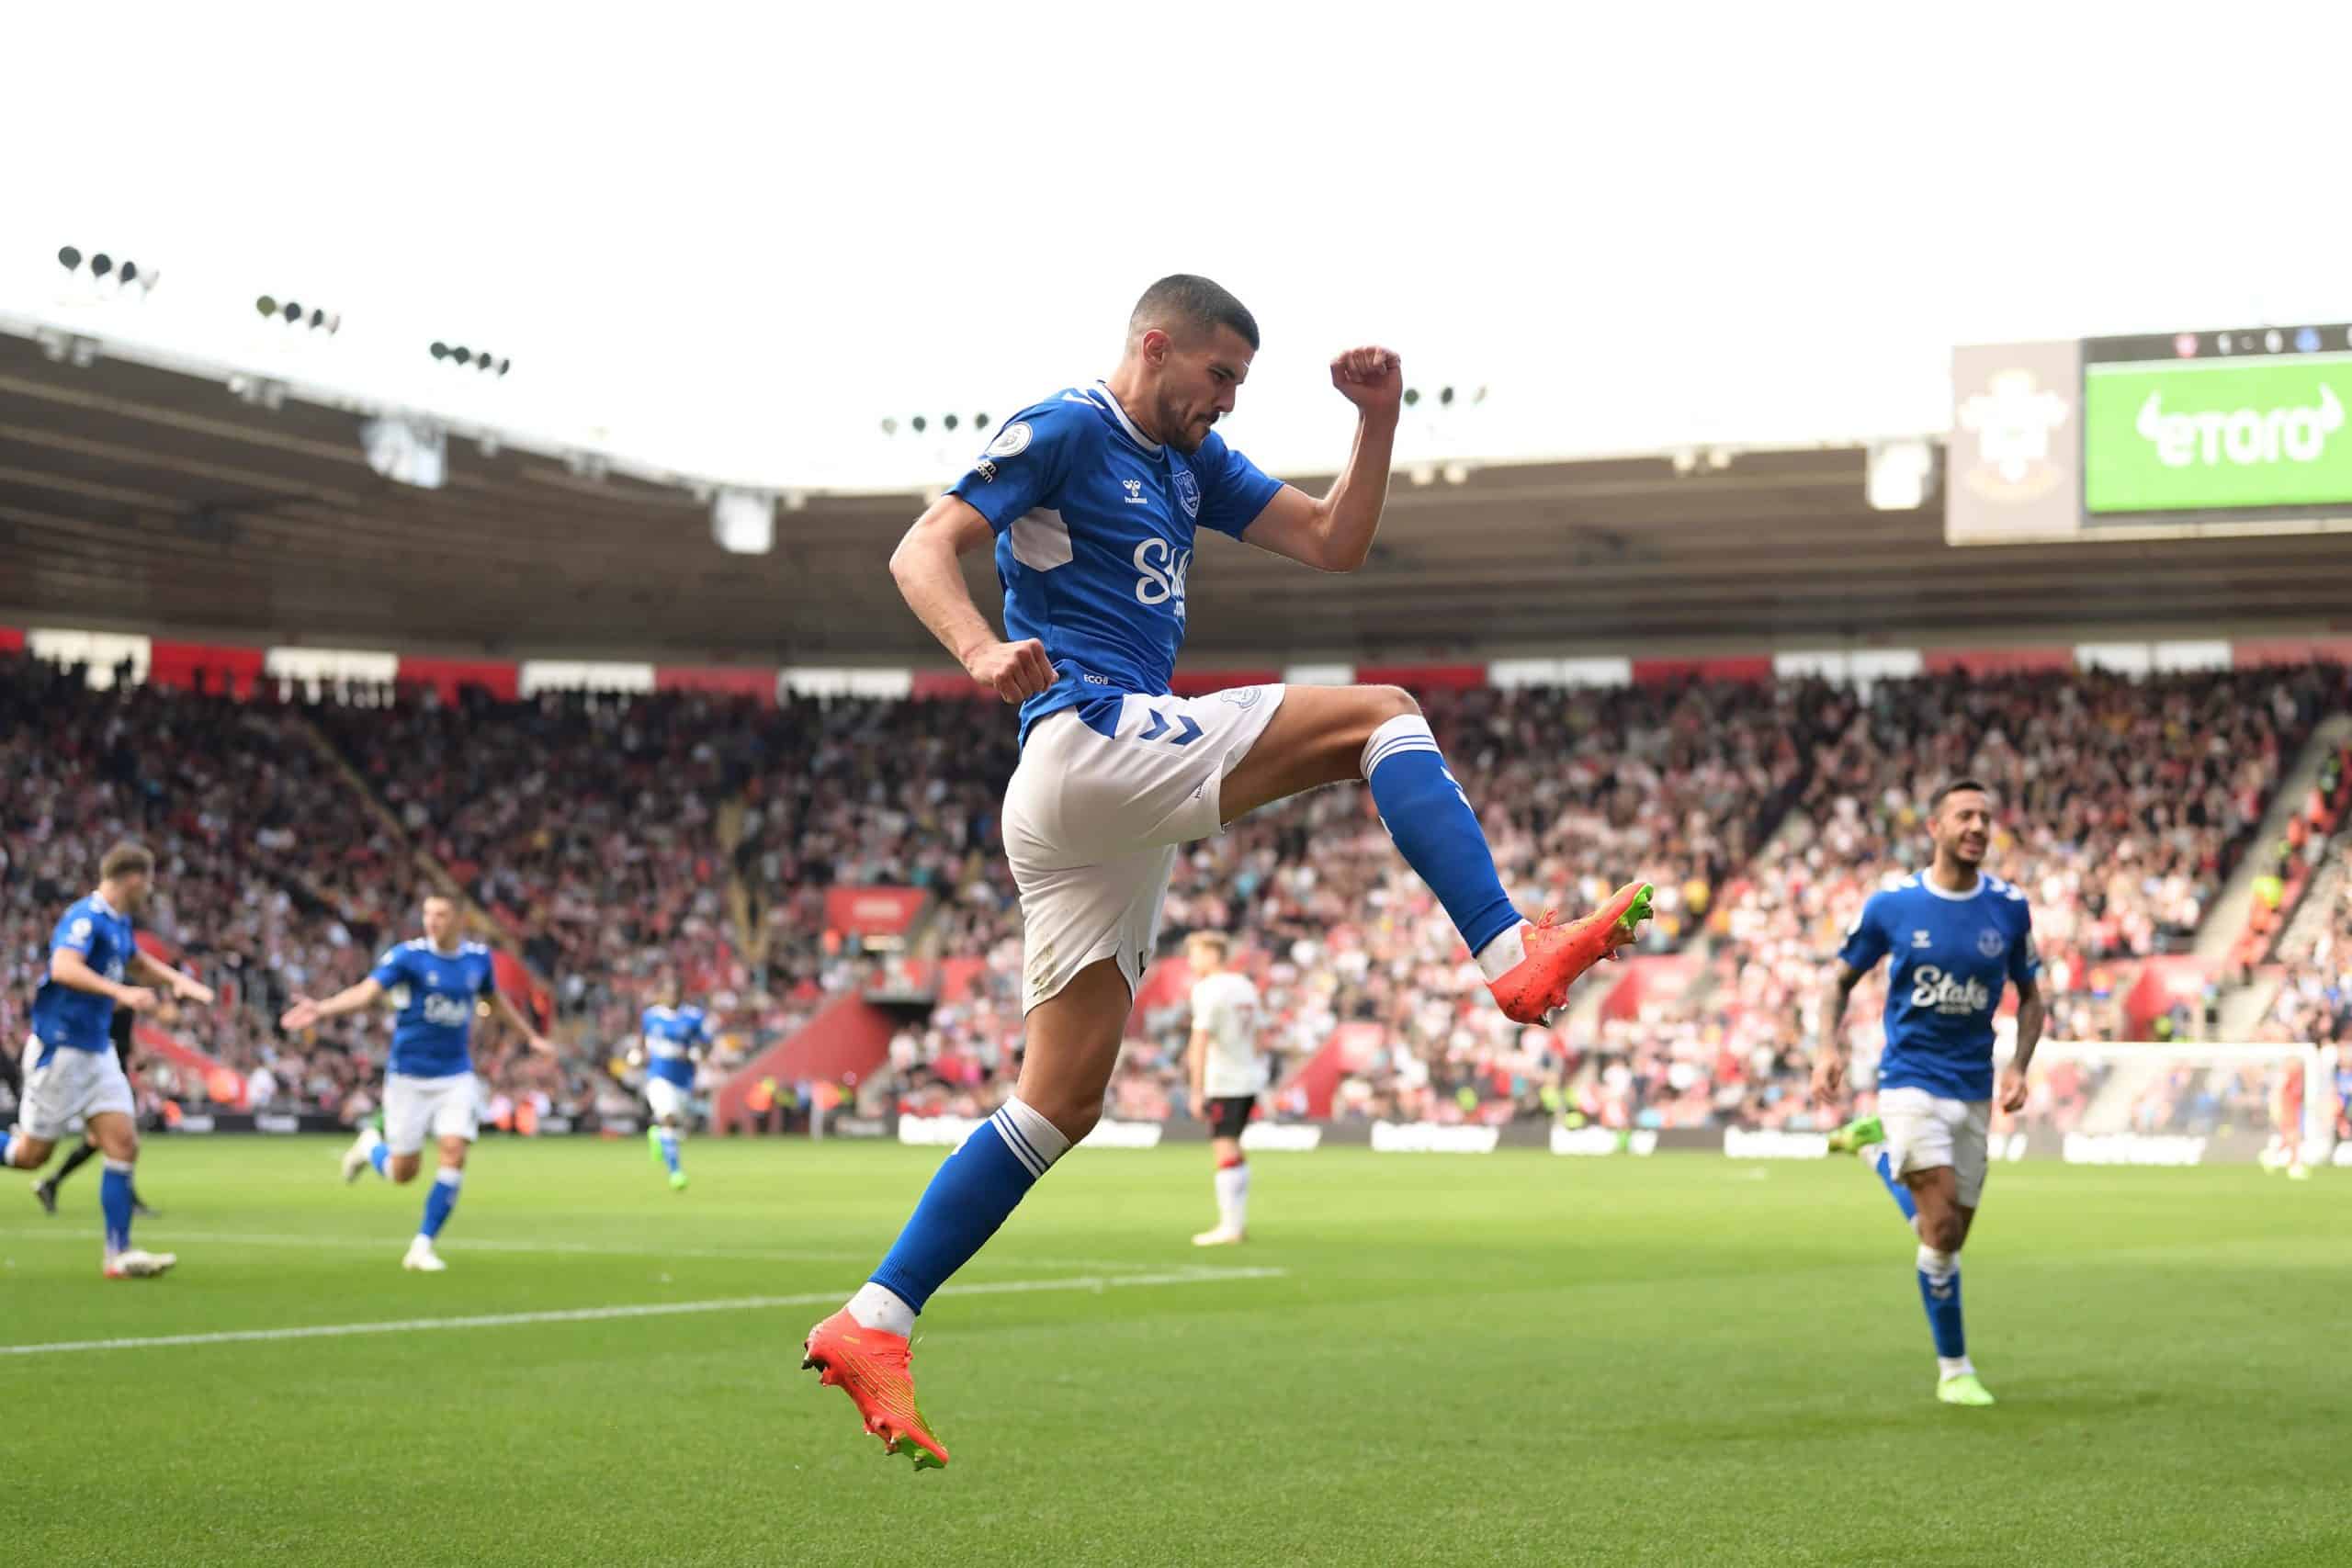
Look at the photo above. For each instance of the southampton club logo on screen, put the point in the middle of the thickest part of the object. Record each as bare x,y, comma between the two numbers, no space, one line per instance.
2014,420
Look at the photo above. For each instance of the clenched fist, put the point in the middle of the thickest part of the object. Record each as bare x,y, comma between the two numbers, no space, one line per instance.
1013,670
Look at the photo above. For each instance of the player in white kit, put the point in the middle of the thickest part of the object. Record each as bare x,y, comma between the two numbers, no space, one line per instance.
1227,1073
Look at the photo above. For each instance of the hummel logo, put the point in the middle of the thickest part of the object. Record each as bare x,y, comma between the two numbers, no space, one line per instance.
1921,939
1135,493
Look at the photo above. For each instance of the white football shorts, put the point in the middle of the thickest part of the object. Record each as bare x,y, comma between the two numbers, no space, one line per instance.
1091,822
443,1108
666,1099
73,1087
1924,1131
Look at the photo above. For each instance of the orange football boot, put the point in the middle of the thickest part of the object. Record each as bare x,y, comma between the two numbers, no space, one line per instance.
871,1366
1558,955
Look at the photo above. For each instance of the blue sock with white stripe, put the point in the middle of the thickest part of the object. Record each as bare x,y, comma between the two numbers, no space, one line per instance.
114,1201
1939,1293
973,1194
439,1200
380,1155
1430,818
1883,1162
670,1148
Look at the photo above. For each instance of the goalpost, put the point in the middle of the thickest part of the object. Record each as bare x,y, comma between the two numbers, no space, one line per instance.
2225,1090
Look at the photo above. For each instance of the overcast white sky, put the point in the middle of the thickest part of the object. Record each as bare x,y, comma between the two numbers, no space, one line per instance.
732,242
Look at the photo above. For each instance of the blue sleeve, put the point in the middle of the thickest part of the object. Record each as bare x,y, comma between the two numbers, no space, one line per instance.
77,931
388,970
1025,467
701,1026
489,985
2025,959
1234,490
1865,939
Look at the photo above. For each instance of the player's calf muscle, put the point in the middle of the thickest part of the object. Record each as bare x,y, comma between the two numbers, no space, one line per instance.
1072,1046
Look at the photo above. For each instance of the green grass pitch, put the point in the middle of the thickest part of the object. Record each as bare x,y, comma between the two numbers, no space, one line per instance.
1435,1359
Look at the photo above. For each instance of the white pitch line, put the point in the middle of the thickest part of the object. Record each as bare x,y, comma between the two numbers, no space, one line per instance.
555,1249
1195,1276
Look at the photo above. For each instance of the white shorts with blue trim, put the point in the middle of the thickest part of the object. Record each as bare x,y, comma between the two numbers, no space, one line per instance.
1924,1131
443,1108
1091,822
73,1087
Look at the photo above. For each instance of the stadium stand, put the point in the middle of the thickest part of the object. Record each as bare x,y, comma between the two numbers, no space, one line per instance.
608,837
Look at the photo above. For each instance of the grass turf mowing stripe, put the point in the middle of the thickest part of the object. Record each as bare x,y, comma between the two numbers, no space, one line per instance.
603,1314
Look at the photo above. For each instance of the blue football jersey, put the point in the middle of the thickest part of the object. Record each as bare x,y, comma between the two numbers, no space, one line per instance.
68,1019
1954,953
433,996
1094,528
672,1035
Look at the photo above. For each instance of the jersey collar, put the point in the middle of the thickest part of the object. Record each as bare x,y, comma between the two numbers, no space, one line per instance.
1928,882
99,898
1119,413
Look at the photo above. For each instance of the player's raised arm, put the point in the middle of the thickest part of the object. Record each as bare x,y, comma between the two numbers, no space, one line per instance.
1334,533
925,568
177,982
306,1013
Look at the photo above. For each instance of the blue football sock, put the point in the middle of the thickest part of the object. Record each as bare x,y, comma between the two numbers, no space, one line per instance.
5,1139
670,1150
1884,1166
1430,818
380,1156
972,1194
114,1200
1939,1293
439,1200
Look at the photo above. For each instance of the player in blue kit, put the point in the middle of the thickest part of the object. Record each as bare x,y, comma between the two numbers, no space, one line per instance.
70,1068
669,1042
1956,936
1092,502
433,987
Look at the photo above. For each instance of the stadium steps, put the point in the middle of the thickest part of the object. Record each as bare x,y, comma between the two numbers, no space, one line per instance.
2244,1007
424,860
849,1037
2110,1109
2318,906
751,935
2225,922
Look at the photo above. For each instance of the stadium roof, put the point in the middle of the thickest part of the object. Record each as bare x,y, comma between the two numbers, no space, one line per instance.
138,498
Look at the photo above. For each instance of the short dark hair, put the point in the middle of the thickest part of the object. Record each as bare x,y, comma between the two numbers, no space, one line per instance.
1936,801
127,858
1185,298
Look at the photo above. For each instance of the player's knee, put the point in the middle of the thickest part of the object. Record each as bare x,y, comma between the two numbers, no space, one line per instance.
1944,1232
1384,703
1072,1117
1374,707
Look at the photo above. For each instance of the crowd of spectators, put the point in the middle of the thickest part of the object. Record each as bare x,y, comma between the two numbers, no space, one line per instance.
271,879
2122,805
609,840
